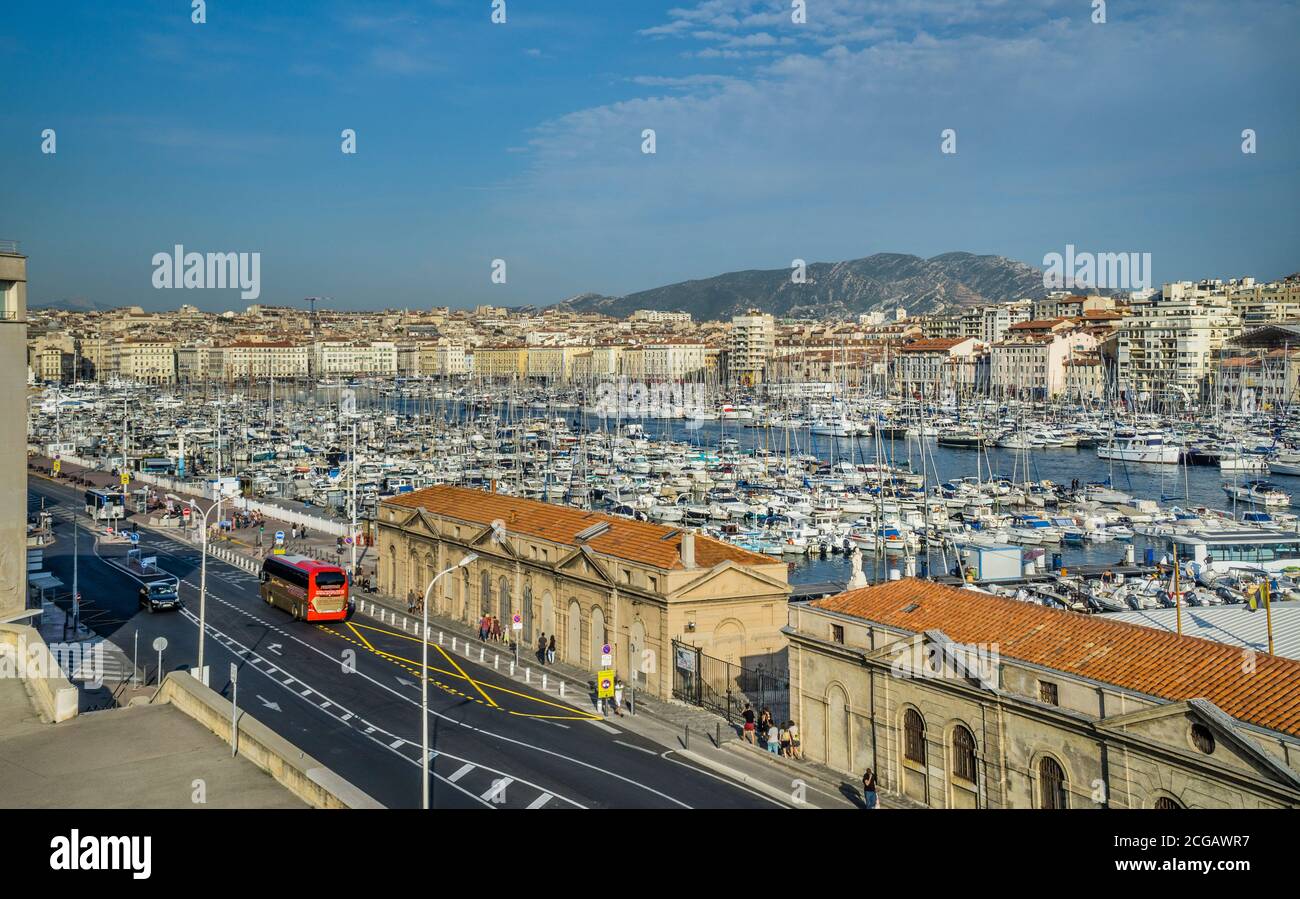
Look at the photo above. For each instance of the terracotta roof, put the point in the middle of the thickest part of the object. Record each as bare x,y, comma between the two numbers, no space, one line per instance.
636,541
933,344
1143,659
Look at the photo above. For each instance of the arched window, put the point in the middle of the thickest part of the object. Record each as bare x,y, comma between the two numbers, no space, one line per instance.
503,597
486,590
963,754
1051,784
1165,803
914,737
392,568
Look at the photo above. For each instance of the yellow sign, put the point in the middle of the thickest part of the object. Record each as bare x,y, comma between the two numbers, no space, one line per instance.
279,551
605,684
56,466
126,478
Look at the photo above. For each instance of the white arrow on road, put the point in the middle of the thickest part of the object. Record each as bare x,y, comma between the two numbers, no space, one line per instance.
406,683
273,706
275,648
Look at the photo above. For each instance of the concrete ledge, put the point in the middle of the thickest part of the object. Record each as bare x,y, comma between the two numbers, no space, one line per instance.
299,773
25,654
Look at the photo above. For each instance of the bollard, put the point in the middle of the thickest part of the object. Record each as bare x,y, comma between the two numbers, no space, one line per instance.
561,689
496,661
439,638
453,644
717,740
482,653
528,675
686,737
512,669
543,681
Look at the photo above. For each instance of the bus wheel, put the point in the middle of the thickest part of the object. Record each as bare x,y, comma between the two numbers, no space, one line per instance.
297,612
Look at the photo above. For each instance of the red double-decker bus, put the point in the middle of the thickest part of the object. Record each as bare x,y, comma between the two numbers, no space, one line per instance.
305,588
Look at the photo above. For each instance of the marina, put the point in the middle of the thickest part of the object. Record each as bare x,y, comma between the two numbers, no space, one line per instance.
1079,507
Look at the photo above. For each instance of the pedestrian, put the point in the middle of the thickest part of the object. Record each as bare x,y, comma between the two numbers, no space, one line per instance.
541,649
748,715
496,629
869,788
410,600
764,724
484,627
796,748
618,698
785,740
550,651
773,738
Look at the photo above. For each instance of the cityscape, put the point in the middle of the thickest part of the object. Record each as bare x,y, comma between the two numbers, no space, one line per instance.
596,467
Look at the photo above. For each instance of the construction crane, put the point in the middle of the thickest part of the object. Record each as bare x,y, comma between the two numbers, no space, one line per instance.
312,301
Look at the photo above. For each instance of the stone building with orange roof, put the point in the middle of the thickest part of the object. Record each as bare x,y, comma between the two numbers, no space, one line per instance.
958,698
588,579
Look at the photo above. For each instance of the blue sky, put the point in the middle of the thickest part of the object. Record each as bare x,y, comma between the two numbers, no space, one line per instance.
522,141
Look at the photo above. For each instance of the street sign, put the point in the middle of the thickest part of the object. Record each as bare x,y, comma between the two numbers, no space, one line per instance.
133,536
279,536
56,466
279,551
234,673
126,478
517,623
606,656
159,644
605,684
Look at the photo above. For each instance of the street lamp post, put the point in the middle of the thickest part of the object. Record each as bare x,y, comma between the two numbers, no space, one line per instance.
424,680
203,569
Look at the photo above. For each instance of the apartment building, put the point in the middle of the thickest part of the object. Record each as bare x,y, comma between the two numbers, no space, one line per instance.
143,360
501,362
1168,342
752,342
939,369
660,317
331,358
1030,362
259,359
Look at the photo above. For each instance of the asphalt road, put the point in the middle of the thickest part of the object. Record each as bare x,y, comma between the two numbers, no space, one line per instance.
348,693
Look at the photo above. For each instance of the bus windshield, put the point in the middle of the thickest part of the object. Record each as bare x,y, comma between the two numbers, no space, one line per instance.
328,580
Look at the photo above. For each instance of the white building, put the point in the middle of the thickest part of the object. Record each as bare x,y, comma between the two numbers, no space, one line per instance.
753,339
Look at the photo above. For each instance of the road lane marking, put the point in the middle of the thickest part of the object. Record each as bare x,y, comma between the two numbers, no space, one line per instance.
461,772
637,748
605,727
540,801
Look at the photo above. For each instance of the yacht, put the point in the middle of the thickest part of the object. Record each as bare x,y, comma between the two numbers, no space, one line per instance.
1140,446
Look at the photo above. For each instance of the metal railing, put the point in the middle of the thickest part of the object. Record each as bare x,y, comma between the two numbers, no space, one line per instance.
9,246
725,687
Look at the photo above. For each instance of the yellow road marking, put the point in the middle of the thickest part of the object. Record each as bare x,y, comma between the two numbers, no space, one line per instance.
360,637
448,657
415,668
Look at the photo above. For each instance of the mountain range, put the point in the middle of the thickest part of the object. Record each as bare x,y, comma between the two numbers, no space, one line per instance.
882,282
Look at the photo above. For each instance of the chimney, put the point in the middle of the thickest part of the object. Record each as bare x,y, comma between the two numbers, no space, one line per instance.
688,549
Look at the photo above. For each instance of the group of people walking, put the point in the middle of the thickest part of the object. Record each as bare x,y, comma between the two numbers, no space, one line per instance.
490,629
779,738
546,650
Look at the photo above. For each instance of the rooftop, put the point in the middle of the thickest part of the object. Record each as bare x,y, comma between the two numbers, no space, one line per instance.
1100,648
637,541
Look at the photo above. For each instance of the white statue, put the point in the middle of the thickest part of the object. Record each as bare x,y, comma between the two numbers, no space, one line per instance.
858,579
